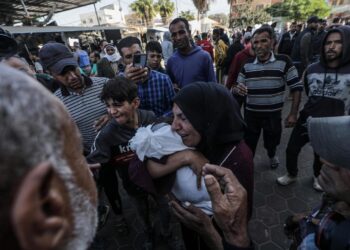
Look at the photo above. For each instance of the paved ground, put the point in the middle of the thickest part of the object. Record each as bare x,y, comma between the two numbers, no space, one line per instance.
272,204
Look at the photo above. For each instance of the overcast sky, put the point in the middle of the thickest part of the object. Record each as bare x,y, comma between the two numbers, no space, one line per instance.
71,17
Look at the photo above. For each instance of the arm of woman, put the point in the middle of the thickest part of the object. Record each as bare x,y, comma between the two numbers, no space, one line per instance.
187,157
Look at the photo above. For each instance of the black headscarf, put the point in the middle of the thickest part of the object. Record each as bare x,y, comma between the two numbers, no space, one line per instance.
214,113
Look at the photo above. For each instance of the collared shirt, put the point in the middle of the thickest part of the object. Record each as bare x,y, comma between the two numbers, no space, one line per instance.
85,108
266,82
156,93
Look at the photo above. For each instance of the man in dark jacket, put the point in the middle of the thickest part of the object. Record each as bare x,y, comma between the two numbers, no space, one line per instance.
327,85
233,50
302,49
318,39
287,40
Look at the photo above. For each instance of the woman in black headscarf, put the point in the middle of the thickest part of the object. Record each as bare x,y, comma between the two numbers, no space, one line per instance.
207,117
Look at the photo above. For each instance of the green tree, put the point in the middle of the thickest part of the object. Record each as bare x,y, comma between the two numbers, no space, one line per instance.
221,18
300,10
166,9
144,9
187,14
246,15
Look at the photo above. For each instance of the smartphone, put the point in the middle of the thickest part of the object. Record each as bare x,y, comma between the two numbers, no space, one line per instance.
140,60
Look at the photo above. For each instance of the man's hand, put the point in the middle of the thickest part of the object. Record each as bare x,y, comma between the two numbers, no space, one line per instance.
240,89
135,74
195,219
290,121
100,122
230,207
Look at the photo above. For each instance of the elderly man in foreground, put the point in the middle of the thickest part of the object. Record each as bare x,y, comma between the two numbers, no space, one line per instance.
48,198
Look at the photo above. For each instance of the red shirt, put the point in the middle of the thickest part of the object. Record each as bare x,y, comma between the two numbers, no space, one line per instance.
206,45
236,65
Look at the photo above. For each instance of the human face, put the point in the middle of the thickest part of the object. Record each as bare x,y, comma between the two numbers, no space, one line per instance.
215,36
335,181
71,78
313,26
293,28
129,52
123,112
110,50
262,45
93,59
333,47
103,45
154,58
181,125
180,35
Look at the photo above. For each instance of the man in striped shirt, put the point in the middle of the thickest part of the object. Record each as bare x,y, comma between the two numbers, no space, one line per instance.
78,93
263,80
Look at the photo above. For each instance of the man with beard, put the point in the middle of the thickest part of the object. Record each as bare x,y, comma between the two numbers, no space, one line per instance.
327,86
263,80
48,198
78,93
189,63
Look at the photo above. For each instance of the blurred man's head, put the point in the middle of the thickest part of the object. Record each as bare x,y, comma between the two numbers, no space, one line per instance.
48,198
19,63
154,54
293,27
312,22
216,34
128,47
102,44
60,62
180,33
204,36
330,139
322,24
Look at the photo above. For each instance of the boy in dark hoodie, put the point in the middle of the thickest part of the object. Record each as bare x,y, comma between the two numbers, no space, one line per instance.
327,85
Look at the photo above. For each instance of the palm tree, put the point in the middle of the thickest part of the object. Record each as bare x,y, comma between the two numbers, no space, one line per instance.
166,9
144,9
202,6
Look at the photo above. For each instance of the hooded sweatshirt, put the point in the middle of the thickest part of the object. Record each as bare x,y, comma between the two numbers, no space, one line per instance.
328,88
192,67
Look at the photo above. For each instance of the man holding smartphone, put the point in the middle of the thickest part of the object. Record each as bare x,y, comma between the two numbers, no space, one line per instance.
154,88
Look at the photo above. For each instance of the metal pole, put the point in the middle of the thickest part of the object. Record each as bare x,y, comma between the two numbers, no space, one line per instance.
24,7
177,9
98,20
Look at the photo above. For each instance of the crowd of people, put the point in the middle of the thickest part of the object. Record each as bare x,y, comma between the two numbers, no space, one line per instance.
70,122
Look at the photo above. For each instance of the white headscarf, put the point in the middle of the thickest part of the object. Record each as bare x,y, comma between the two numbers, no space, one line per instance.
114,57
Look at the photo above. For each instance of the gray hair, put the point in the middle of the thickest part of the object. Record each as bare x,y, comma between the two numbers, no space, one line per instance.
31,132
